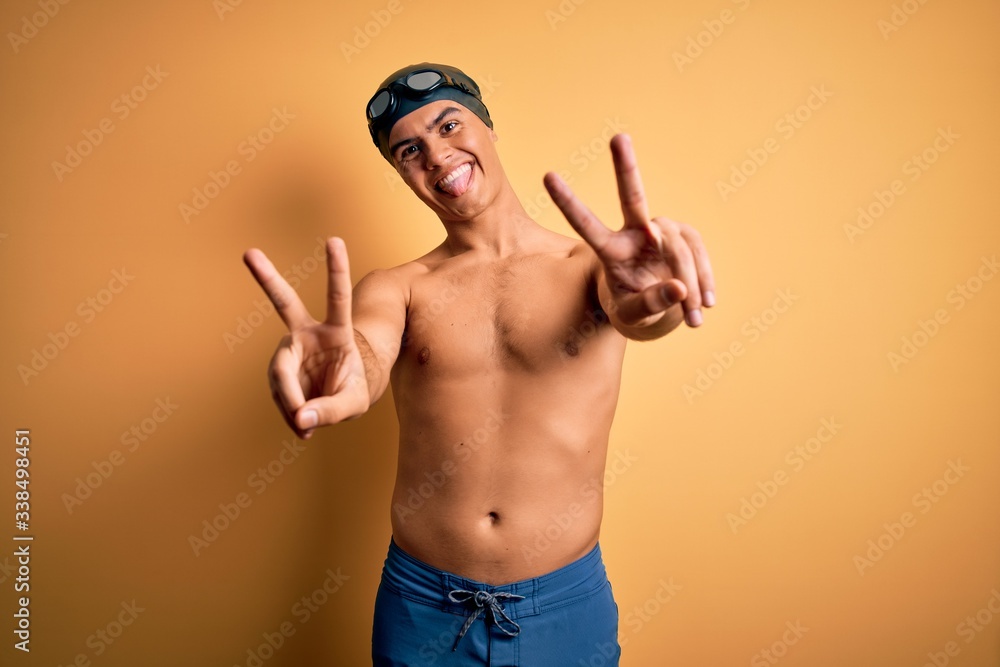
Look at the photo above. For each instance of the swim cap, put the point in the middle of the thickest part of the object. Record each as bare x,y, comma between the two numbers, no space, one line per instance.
412,87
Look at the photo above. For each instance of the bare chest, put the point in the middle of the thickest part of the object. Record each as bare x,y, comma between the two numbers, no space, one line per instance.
521,314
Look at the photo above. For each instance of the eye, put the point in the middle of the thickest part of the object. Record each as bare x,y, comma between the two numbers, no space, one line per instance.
449,126
408,151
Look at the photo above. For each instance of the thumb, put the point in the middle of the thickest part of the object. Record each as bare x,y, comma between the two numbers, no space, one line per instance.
327,410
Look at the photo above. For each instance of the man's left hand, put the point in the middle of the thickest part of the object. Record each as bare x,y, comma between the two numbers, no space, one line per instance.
650,264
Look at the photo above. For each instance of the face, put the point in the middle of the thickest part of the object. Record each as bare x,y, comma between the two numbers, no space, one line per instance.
446,154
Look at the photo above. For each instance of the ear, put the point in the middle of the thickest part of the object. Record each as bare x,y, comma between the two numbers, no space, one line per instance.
494,136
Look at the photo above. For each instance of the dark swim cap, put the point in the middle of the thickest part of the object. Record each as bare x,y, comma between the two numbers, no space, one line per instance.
412,87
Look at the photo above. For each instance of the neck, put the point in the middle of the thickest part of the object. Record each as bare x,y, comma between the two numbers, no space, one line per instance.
499,230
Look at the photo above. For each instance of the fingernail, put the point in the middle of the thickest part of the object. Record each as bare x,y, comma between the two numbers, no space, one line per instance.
309,419
694,317
709,298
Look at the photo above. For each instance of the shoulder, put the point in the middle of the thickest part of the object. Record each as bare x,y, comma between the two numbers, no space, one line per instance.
394,283
582,252
569,247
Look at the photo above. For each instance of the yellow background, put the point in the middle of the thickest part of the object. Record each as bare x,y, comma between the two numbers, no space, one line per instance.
556,78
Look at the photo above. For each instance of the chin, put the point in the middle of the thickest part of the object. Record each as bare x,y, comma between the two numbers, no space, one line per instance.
465,213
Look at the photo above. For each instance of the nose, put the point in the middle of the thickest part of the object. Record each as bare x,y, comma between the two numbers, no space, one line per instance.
436,152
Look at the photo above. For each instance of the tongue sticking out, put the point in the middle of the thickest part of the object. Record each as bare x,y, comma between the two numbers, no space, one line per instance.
457,187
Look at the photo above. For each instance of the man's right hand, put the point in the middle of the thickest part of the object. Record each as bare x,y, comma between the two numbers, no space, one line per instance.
317,376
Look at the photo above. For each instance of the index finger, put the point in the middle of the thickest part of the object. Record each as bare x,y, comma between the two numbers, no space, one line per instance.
286,301
577,214
630,190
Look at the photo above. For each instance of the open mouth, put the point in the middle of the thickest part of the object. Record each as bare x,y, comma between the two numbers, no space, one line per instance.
457,181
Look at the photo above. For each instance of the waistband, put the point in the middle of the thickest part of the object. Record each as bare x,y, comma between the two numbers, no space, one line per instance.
425,584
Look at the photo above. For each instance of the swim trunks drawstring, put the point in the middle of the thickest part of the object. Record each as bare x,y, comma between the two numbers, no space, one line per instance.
483,601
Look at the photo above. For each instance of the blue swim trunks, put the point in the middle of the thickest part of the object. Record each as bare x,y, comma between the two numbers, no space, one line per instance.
426,617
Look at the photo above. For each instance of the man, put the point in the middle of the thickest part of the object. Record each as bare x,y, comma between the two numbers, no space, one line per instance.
504,347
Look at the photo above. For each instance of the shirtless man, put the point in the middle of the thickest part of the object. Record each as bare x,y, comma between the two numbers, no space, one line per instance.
504,347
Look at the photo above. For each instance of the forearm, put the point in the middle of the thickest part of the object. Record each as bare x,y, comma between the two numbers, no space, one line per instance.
376,367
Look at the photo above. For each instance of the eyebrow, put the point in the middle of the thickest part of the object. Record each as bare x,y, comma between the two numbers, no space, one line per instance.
430,126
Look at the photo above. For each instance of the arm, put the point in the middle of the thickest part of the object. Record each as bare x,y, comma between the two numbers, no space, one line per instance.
651,274
317,374
379,314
